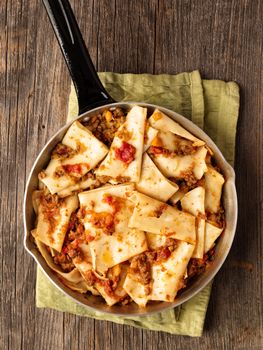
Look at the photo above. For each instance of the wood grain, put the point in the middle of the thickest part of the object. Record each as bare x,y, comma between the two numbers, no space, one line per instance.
221,38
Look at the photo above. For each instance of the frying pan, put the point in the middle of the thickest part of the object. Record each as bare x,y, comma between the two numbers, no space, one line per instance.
93,99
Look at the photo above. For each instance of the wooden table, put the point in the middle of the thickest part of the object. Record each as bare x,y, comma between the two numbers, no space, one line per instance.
223,39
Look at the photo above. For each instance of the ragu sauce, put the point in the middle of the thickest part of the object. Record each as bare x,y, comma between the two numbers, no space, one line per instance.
126,153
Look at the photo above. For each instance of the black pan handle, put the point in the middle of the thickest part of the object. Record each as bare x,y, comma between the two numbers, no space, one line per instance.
89,89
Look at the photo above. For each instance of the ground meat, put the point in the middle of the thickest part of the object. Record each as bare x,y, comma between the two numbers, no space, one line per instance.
74,237
185,148
104,221
64,261
195,267
189,178
127,300
109,286
181,148
156,150
198,266
62,152
50,202
171,242
158,212
115,202
186,186
50,207
72,249
90,278
105,125
162,253
99,180
123,179
140,266
218,218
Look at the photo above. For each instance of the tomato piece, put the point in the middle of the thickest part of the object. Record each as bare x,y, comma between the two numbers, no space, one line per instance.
126,153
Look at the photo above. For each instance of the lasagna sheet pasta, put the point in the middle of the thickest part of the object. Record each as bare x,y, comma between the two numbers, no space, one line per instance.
120,246
179,166
172,142
149,135
81,185
72,279
213,187
125,155
167,277
153,182
88,151
211,234
194,203
52,222
111,204
161,121
157,217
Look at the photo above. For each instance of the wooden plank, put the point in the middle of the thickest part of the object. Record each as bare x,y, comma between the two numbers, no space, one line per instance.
221,38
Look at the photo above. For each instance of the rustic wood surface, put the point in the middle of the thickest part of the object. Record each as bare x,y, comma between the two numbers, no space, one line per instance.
221,38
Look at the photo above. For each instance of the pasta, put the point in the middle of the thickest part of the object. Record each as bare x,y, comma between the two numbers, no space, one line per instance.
129,209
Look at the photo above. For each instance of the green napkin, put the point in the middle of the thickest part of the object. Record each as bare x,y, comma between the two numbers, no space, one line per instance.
212,105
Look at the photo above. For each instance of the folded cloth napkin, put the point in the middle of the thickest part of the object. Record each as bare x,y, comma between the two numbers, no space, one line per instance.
211,104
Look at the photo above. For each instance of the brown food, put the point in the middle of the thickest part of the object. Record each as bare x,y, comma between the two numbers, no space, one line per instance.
62,151
50,209
198,266
90,278
189,183
218,219
141,267
182,148
141,264
64,261
158,212
185,148
104,221
105,125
